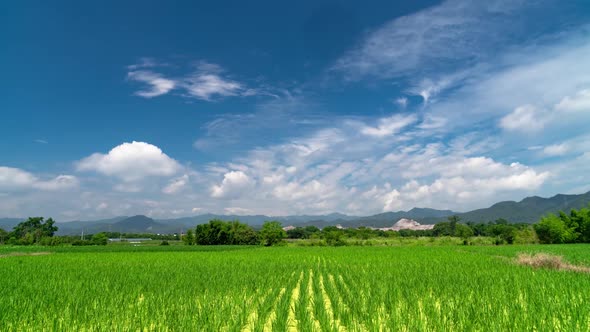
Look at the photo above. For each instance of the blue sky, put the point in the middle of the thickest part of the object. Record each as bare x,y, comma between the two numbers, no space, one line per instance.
315,107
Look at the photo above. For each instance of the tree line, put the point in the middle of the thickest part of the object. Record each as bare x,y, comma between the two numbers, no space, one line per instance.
552,228
564,228
219,232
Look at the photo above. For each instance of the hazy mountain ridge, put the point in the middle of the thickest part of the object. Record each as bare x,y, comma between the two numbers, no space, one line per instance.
528,210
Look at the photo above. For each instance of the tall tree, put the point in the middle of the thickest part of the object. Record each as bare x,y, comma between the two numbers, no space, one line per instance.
189,238
3,235
33,229
272,233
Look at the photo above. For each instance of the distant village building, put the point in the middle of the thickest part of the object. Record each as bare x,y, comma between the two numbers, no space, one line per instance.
407,224
288,228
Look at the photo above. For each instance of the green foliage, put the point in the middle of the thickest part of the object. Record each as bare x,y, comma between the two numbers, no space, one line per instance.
33,230
333,237
219,232
272,233
582,218
412,288
189,238
82,243
463,231
557,229
100,239
3,236
306,232
526,235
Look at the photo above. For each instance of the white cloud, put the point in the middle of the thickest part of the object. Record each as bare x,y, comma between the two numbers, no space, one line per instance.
580,102
131,162
102,206
556,150
452,32
145,63
206,82
205,86
525,118
237,211
58,183
389,126
158,84
176,185
402,102
336,169
234,184
15,179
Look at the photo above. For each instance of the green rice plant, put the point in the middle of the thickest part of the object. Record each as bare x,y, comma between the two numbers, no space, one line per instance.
395,288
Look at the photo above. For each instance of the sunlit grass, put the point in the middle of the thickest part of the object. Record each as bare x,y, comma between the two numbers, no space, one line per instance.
442,288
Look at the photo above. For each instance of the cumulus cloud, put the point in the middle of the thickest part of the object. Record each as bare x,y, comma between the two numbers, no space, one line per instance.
15,179
525,118
131,162
234,184
342,169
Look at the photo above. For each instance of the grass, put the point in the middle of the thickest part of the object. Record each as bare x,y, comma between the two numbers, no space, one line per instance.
414,288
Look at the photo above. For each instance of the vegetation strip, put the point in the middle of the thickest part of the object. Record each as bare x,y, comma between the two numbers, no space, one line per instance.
308,289
292,321
13,254
547,261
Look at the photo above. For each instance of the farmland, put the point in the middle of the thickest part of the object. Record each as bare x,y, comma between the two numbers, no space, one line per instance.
291,288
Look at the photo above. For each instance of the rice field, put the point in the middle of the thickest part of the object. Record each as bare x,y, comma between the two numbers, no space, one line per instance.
442,288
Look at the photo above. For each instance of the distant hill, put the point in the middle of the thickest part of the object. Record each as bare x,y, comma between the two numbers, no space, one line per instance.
256,220
8,224
386,219
138,224
135,224
528,210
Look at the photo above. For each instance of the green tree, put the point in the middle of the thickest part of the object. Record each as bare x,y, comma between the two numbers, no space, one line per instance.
582,218
463,231
272,233
242,233
453,221
3,235
100,239
552,229
33,229
189,238
443,229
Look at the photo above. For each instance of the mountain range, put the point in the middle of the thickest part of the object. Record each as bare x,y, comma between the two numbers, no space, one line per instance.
528,210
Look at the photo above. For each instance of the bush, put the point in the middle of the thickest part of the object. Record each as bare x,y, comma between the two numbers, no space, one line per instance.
82,243
100,239
164,243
